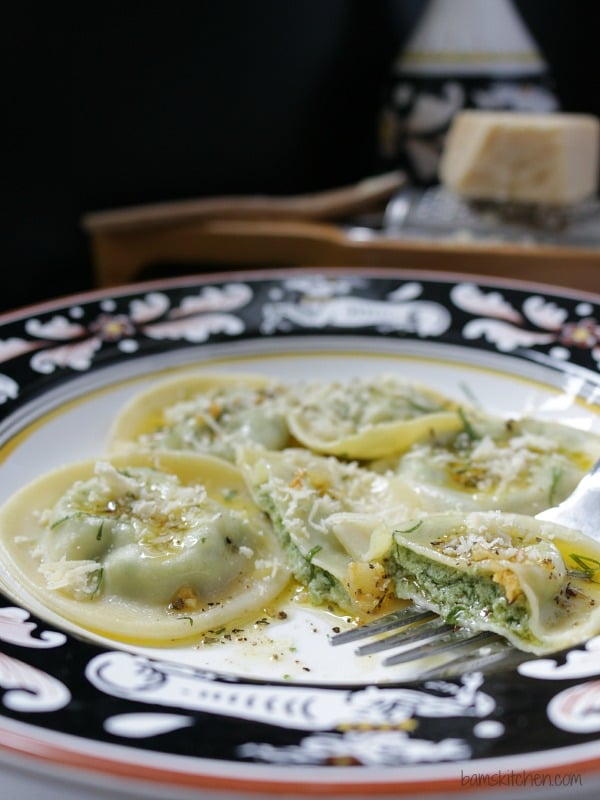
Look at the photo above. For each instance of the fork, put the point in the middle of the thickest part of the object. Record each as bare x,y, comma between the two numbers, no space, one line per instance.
417,634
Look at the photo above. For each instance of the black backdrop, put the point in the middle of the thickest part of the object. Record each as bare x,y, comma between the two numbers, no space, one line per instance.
113,103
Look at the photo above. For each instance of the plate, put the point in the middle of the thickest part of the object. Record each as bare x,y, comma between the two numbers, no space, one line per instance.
279,711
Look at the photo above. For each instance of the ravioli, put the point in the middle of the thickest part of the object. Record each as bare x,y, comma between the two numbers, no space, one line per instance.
153,548
324,512
519,465
205,413
368,418
535,583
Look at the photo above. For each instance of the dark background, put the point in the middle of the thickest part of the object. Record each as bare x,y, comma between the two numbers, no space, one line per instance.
129,102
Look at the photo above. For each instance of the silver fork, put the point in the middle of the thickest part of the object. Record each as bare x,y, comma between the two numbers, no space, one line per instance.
419,635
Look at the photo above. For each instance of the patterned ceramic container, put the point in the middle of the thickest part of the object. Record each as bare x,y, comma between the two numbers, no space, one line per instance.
461,55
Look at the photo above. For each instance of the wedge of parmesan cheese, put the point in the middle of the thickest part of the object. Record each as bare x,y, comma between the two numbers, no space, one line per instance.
546,159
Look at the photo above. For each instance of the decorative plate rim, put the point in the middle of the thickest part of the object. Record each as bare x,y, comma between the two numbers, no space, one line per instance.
503,333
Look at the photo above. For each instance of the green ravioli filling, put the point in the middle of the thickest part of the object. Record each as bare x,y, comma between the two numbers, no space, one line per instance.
460,597
320,585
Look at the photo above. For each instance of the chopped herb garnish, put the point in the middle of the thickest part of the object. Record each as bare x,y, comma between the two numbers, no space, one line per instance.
59,522
469,393
556,476
410,530
468,428
586,564
422,408
313,552
97,575
99,532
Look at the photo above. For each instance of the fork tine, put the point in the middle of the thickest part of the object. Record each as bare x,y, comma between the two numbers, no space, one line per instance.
417,634
448,640
426,631
497,651
395,620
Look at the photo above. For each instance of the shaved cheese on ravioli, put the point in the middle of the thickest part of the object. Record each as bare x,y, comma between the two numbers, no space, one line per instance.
152,548
325,511
205,413
535,583
521,465
368,417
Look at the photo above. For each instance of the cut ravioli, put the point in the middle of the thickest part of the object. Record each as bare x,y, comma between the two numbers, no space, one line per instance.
519,465
535,583
369,418
206,413
324,512
153,548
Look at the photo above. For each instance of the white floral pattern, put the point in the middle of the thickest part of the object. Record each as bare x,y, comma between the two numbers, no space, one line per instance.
61,343
16,628
29,689
74,338
540,322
